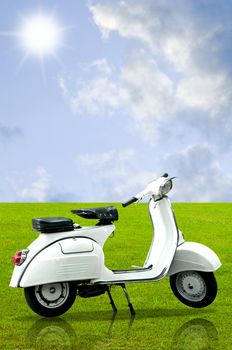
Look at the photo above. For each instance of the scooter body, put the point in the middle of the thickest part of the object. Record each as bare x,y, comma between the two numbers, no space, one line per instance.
78,256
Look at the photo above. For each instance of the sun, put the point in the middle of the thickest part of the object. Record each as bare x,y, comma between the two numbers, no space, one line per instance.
40,35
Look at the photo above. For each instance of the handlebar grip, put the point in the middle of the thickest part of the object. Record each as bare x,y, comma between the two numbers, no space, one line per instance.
130,201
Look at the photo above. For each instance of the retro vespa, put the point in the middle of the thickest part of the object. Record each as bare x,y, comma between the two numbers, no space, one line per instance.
67,260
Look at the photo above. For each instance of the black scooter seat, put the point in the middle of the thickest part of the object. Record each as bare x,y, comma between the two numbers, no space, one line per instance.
106,214
52,224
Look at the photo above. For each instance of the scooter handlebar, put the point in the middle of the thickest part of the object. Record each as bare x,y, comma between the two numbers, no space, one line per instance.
130,201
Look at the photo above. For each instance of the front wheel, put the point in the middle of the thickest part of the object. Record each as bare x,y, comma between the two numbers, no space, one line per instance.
50,300
194,288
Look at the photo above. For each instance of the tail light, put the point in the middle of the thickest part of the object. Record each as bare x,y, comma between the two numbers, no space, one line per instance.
19,257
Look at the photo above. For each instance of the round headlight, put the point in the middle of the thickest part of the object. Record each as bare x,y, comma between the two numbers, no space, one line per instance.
164,189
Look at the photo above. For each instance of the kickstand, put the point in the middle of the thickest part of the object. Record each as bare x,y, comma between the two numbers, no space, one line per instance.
111,300
132,311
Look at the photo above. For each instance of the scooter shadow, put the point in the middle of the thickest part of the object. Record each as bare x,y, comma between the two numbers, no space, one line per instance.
139,314
98,316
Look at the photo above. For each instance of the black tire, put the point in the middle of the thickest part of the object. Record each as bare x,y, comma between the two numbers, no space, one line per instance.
50,300
194,288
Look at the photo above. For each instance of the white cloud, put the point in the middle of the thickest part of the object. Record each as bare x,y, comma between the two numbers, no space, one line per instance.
130,20
177,31
149,94
145,93
101,65
111,176
62,85
174,82
96,161
208,93
118,175
100,95
39,186
177,50
200,177
174,67
94,90
37,190
188,48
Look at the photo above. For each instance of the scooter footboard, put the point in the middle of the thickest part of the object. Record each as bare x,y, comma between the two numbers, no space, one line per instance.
194,256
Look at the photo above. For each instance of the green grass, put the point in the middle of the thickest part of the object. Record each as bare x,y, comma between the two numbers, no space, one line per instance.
161,321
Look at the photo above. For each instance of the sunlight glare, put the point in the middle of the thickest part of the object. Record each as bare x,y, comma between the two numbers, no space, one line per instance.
40,35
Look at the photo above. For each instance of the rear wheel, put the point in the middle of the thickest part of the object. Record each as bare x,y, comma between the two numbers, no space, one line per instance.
194,288
52,299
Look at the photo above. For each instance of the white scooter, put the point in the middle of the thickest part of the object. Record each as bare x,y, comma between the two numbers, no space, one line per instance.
68,260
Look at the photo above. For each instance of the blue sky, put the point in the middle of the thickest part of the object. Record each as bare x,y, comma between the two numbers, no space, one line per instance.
133,89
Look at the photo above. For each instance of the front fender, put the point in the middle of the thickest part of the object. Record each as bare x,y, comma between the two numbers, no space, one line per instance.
194,256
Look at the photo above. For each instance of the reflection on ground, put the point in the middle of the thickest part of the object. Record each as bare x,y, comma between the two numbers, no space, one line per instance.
56,333
196,334
53,333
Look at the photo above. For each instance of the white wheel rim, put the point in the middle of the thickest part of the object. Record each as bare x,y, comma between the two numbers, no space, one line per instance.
191,286
52,295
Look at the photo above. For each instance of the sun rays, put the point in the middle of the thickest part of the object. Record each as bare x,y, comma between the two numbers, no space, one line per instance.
39,35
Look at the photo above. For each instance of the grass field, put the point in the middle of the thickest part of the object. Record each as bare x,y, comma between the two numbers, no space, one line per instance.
161,321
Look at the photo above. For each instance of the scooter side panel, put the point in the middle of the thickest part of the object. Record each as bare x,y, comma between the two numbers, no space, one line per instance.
194,256
53,265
